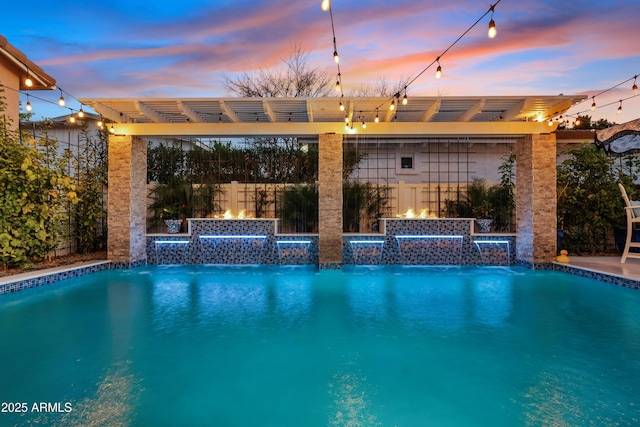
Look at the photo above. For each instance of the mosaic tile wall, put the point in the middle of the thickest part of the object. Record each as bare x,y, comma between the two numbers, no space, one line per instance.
429,242
238,241
407,242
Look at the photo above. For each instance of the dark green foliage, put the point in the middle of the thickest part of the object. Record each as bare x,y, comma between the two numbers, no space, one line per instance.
363,204
297,207
502,196
90,212
483,200
589,201
33,194
186,186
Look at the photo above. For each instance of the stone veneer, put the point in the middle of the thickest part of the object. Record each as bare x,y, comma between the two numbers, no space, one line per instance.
330,201
536,199
126,219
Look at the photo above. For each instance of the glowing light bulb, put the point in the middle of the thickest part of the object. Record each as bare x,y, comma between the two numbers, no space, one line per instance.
405,101
81,113
439,72
28,82
325,5
492,29
392,106
28,107
61,101
336,58
377,119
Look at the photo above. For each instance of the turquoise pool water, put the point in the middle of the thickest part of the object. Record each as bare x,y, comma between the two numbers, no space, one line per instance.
208,346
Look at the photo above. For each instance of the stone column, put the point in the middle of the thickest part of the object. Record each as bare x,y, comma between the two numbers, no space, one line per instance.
536,200
126,222
330,201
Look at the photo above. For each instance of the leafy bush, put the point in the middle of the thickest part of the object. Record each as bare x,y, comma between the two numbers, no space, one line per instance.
31,198
589,202
297,207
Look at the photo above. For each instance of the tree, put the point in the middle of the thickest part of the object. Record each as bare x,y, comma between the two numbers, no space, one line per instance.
589,201
296,79
585,123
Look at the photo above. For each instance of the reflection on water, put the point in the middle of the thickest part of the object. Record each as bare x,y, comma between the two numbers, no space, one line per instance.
403,346
113,403
492,300
349,392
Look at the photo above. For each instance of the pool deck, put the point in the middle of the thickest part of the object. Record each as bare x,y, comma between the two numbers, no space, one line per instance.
604,268
608,265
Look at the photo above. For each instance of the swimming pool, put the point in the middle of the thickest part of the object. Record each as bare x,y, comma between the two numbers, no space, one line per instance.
273,346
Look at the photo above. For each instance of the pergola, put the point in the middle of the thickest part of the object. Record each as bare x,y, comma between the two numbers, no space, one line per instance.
526,119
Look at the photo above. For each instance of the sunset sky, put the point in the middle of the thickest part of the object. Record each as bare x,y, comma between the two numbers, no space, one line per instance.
138,48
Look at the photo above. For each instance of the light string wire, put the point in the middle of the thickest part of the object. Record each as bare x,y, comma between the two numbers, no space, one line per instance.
593,97
437,60
29,96
337,61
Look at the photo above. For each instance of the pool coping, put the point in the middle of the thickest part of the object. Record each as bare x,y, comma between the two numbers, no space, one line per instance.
32,279
593,273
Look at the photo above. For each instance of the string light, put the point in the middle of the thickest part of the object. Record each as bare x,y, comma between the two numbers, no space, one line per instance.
634,88
619,108
28,106
61,101
593,106
439,69
81,113
405,101
393,105
377,119
492,25
28,82
325,5
338,85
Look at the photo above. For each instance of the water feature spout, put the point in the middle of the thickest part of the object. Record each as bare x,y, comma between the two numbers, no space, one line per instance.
494,252
293,251
367,252
430,249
